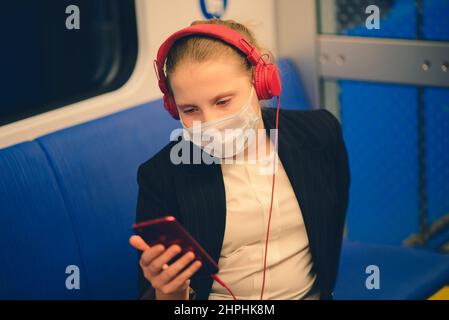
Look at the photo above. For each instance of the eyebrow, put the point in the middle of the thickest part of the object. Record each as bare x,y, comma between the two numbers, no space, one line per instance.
217,97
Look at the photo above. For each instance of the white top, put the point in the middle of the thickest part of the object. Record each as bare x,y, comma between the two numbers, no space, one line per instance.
289,262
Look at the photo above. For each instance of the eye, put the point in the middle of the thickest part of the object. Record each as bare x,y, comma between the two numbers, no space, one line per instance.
223,102
188,110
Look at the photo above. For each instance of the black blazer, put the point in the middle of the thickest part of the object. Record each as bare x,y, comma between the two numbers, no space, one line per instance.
314,156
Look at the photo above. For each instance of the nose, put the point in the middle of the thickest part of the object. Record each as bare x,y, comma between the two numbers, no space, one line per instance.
207,115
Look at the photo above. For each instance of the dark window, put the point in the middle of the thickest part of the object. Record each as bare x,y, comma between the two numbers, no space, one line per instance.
46,66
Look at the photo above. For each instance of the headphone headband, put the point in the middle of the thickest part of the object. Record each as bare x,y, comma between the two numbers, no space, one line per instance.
230,37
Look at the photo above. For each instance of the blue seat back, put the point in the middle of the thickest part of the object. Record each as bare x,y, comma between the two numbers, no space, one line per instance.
293,95
36,233
96,165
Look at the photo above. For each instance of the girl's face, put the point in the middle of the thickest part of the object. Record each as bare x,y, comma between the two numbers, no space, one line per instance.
211,90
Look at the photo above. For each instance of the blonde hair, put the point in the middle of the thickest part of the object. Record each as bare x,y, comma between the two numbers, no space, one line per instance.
199,48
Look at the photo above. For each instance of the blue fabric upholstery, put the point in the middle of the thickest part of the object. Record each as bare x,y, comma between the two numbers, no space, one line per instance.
405,273
96,165
293,95
36,234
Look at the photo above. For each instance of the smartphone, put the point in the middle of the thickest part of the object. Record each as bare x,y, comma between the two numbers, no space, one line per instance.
168,231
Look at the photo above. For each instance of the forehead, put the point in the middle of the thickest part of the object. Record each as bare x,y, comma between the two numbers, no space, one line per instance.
194,77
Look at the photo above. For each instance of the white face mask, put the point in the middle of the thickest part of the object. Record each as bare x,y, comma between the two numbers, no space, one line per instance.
225,137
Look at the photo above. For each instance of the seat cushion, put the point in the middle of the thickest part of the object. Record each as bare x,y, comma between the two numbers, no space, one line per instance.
405,273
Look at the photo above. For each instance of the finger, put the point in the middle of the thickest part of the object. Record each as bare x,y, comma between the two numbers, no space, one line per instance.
156,265
149,255
165,266
172,271
180,280
138,243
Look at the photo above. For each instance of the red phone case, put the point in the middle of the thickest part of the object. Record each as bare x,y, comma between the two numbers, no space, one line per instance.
169,231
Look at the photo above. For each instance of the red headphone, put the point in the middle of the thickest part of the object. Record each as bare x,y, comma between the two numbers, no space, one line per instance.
267,81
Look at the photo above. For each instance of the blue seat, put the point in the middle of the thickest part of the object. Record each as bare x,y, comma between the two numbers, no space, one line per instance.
293,95
405,273
96,166
37,238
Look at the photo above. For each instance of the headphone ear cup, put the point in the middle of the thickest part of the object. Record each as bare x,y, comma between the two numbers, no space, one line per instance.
259,82
170,106
267,81
273,80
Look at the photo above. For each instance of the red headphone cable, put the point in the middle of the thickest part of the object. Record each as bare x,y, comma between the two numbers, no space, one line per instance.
272,194
216,277
221,282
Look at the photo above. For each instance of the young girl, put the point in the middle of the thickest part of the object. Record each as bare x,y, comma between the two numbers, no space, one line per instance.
226,205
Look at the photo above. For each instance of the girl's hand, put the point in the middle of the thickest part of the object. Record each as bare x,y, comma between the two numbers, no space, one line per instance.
171,282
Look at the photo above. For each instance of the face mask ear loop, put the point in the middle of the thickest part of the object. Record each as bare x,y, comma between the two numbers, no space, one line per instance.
252,94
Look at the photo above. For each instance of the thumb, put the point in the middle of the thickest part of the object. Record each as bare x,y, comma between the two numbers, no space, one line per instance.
138,243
